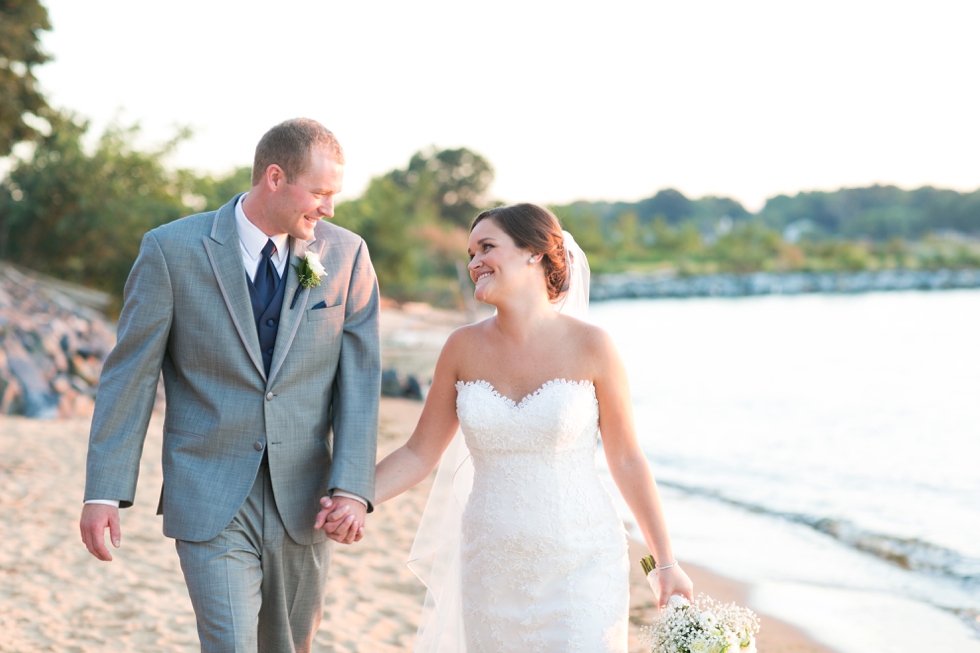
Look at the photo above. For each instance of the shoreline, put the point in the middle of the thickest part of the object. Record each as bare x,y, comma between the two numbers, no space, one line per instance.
634,285
775,636
401,593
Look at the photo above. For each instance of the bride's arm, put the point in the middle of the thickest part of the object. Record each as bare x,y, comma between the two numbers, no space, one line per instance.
628,465
406,466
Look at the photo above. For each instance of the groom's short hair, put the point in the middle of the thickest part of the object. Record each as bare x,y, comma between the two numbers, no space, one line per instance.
290,146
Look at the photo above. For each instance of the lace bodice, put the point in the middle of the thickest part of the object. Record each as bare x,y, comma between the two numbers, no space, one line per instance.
543,550
559,416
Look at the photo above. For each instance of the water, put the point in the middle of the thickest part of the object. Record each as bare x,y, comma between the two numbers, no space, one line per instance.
824,448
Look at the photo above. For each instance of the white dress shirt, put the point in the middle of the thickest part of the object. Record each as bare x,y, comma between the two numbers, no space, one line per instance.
252,240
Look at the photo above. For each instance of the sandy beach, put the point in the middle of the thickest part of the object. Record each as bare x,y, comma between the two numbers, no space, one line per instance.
55,597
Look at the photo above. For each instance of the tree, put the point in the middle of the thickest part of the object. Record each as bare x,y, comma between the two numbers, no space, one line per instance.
584,223
415,220
878,213
752,247
214,192
670,203
20,23
455,180
81,216
387,217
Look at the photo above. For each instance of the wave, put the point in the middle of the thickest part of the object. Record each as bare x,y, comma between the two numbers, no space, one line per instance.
911,554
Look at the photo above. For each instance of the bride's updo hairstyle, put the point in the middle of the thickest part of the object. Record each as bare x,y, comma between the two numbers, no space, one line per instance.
536,229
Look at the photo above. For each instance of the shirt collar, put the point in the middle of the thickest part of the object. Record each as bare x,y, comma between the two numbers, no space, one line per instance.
253,239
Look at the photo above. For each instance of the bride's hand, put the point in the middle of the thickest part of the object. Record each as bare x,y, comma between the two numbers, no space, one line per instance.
672,581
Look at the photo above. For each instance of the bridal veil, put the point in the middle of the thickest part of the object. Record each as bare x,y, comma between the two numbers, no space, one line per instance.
435,554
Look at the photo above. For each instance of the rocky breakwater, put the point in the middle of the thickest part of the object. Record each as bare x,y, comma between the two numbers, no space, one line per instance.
653,286
53,341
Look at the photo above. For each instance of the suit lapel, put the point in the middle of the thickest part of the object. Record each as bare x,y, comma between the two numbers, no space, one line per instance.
225,255
293,312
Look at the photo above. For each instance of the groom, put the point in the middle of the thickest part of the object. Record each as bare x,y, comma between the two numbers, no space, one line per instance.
271,365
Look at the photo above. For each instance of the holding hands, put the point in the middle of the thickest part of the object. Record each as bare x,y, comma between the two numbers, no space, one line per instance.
342,519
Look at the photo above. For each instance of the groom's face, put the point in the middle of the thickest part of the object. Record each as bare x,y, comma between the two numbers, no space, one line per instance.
307,199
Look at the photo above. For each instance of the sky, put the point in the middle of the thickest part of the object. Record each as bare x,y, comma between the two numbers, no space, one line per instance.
567,100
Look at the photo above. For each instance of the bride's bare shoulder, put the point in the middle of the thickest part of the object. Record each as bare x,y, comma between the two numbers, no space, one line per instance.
594,347
586,336
464,338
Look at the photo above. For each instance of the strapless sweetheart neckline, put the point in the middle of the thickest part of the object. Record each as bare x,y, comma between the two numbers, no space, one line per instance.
486,385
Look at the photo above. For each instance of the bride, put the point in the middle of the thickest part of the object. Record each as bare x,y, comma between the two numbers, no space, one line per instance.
537,558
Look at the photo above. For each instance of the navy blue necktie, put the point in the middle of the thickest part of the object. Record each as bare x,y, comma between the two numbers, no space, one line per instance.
266,276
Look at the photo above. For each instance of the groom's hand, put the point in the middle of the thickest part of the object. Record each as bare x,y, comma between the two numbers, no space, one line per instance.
342,519
96,517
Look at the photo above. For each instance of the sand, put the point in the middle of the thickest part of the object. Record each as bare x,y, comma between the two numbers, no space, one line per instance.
55,597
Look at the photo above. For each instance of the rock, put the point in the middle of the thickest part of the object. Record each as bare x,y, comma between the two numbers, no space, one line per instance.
84,406
51,345
40,399
413,390
12,401
66,402
391,385
86,369
659,284
53,342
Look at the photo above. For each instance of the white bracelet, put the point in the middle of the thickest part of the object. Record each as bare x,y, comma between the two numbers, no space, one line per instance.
659,567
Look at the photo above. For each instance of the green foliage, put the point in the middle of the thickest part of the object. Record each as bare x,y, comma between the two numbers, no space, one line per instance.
20,99
669,204
751,246
455,181
877,213
80,215
850,229
212,193
585,223
385,216
415,222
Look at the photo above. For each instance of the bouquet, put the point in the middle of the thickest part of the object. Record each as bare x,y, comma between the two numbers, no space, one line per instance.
700,626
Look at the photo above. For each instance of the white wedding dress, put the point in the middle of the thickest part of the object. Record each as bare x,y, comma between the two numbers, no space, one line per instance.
520,546
543,554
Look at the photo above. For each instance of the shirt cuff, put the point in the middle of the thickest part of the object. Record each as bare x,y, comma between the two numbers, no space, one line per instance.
105,502
348,495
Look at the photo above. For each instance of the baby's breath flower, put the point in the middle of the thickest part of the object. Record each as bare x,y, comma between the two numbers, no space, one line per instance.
702,626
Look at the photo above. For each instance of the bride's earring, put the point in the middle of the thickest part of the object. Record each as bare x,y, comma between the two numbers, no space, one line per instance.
530,261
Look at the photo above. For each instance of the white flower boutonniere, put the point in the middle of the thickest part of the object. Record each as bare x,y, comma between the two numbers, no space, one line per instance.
310,270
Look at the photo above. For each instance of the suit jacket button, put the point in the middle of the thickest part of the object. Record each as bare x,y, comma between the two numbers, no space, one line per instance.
268,397
258,446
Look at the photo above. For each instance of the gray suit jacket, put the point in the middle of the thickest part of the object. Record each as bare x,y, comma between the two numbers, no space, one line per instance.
187,311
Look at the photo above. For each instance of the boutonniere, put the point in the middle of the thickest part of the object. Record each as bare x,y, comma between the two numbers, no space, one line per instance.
309,271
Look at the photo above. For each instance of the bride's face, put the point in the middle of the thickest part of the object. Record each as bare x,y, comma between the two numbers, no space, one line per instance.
498,266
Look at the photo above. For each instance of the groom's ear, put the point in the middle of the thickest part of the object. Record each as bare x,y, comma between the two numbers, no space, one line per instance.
274,177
